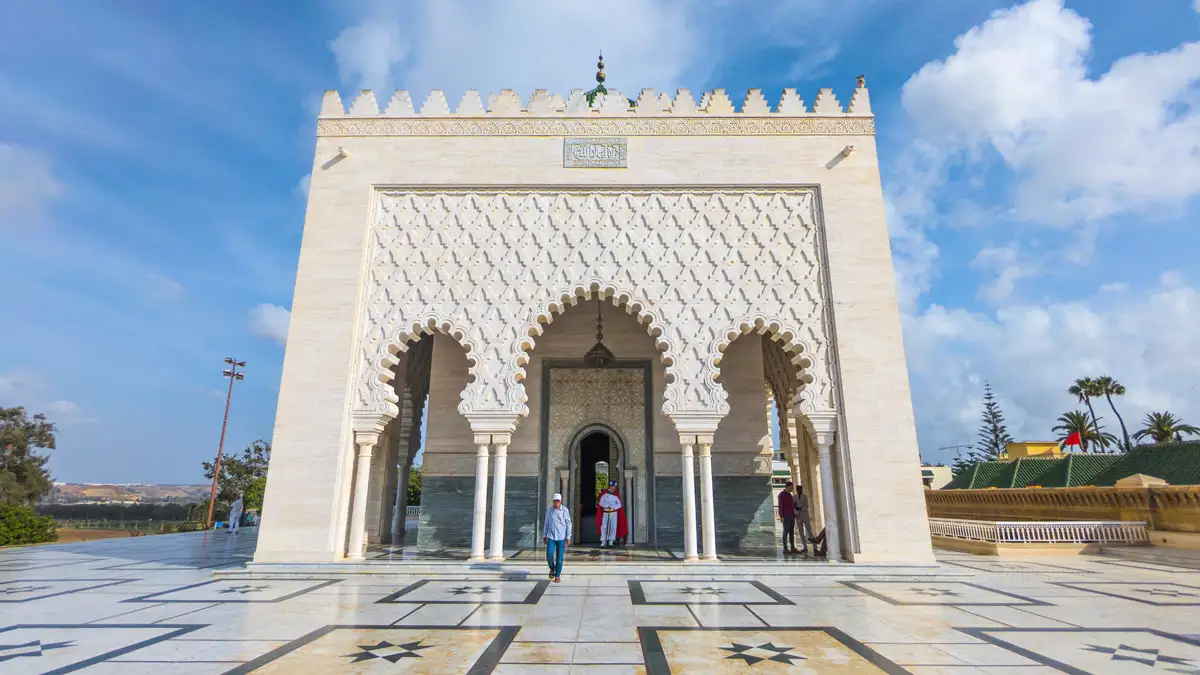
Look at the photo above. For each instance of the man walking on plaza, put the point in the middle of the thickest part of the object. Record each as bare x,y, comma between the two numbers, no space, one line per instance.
235,516
556,535
787,514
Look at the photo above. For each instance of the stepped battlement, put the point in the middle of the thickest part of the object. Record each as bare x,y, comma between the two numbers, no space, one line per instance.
508,104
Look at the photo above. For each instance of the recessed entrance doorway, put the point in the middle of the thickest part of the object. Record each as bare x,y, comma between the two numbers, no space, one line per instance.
596,469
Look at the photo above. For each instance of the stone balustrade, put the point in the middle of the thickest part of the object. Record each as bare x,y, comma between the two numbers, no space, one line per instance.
1173,508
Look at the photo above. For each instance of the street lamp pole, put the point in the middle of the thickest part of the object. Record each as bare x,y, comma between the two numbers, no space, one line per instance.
232,373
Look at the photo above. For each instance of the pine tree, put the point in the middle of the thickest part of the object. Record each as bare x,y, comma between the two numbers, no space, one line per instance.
964,462
993,434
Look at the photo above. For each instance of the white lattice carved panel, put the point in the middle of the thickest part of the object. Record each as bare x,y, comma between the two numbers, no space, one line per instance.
697,266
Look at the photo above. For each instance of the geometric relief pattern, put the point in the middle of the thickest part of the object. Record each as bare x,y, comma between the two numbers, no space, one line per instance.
492,267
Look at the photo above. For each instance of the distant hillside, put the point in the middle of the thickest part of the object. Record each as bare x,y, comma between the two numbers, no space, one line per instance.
136,493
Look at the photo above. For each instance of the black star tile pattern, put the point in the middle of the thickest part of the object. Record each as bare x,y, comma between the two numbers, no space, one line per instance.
33,648
16,590
1146,657
705,590
750,653
243,589
388,652
935,592
471,590
1168,592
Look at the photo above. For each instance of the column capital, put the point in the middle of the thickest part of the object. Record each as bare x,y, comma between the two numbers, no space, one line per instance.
704,440
687,441
369,422
483,440
821,426
502,440
492,422
366,440
694,422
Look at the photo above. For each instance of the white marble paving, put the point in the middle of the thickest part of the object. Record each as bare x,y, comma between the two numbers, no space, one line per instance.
152,605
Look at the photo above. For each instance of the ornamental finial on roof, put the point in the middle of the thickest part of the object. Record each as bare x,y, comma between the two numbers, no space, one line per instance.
600,67
861,81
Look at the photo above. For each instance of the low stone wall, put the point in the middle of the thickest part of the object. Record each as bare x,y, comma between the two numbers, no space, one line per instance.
1174,508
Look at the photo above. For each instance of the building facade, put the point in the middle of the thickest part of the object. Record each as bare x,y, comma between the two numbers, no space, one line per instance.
593,286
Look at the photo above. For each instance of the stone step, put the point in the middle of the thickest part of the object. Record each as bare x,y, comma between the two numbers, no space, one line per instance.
632,570
1155,554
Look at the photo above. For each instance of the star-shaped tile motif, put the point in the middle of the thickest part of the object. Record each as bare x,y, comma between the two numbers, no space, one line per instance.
472,590
1010,566
1146,657
1169,592
764,652
388,652
243,589
32,649
15,590
703,590
936,592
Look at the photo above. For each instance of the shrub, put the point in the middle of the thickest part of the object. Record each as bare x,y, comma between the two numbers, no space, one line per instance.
20,525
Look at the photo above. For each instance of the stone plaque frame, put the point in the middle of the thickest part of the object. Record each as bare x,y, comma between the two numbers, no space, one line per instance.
595,153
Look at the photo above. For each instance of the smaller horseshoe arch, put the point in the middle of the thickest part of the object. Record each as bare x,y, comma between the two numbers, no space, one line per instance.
597,453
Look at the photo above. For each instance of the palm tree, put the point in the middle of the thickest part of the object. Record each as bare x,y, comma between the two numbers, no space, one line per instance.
1077,421
1111,388
1084,389
1163,427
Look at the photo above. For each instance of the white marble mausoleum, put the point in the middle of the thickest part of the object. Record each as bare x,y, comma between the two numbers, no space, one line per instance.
455,266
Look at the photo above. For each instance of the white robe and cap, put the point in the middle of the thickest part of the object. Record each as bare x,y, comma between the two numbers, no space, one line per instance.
610,505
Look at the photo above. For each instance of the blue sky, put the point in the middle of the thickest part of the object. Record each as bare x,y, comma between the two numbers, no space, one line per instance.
1041,166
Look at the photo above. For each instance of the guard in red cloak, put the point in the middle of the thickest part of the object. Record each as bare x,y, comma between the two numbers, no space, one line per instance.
622,526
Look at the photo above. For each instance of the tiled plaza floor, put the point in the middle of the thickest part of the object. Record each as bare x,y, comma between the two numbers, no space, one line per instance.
153,605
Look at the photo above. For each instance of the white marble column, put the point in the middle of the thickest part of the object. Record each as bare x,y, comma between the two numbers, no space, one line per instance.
358,514
707,515
498,487
828,503
481,477
688,478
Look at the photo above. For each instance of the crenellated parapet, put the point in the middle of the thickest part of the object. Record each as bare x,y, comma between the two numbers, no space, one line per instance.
650,113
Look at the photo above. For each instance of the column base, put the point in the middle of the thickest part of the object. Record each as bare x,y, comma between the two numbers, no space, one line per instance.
692,559
710,558
478,558
355,557
495,558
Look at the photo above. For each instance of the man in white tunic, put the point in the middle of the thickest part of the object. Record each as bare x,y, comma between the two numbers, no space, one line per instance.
610,505
235,516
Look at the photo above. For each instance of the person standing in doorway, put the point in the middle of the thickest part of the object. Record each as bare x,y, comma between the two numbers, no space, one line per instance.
787,514
556,533
610,507
803,520
235,515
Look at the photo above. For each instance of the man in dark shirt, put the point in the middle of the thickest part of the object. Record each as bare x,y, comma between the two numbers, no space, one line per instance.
787,513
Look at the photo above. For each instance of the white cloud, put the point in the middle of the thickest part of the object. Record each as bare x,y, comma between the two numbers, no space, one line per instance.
270,322
1032,353
1081,148
302,186
457,45
1008,264
27,182
1116,286
164,288
20,387
67,412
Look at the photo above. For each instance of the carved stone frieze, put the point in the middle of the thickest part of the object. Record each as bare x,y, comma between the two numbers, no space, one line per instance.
491,267
606,126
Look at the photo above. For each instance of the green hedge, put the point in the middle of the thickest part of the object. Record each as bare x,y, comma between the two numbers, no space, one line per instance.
20,525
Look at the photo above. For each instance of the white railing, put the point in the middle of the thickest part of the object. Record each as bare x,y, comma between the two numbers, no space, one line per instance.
412,512
1058,532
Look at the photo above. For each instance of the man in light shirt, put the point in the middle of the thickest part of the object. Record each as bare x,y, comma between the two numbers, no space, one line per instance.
556,535
610,507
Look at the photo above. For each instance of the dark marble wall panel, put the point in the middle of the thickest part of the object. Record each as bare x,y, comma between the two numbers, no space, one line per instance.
743,513
448,507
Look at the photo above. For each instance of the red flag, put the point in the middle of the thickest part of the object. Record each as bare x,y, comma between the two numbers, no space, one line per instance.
1073,439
